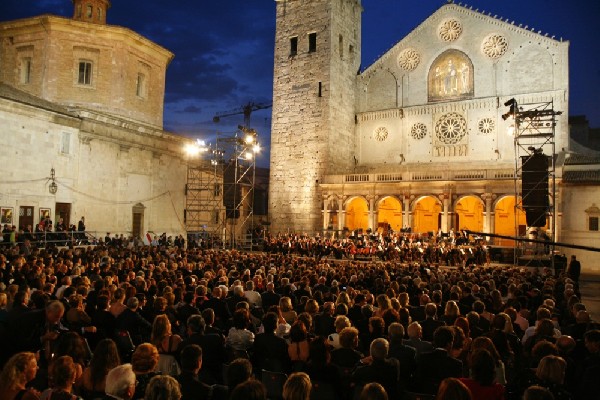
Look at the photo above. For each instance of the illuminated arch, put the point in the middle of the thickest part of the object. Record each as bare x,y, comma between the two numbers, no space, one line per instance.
508,219
469,213
389,211
357,213
426,214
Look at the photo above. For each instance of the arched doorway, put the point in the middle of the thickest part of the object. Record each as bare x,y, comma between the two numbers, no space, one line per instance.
389,213
504,220
426,215
357,214
469,214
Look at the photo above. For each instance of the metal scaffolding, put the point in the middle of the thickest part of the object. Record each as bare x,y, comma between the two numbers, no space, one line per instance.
220,191
534,141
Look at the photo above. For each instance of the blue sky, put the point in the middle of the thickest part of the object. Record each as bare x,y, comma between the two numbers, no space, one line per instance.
224,48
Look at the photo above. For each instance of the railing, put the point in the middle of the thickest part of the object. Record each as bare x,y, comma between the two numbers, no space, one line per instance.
420,176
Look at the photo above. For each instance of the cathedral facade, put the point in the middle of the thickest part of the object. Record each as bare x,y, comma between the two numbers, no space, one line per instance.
422,138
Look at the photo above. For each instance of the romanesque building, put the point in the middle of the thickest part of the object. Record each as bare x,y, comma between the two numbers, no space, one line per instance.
418,139
85,99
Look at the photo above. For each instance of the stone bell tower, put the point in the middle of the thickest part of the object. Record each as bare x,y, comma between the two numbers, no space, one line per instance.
91,11
317,58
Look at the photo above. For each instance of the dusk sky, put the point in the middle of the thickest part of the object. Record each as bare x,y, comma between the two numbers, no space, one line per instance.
224,48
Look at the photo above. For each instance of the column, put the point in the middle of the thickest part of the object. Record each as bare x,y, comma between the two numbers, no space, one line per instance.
487,213
372,213
406,212
445,215
341,213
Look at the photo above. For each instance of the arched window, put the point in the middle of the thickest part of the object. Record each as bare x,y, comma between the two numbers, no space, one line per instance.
450,77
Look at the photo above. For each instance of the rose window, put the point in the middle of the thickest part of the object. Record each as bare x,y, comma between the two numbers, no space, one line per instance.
418,131
451,128
486,126
450,30
381,134
409,59
494,46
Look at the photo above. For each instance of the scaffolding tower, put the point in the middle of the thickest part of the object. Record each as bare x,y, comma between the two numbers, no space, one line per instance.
220,190
534,177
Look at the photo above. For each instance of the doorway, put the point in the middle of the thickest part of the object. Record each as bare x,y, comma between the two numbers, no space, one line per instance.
26,218
63,210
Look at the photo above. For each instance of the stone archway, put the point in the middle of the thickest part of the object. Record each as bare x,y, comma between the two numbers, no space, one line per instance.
389,213
508,220
357,214
426,215
469,212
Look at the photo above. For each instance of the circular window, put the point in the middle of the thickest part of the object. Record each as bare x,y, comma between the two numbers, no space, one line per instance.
486,126
451,128
450,30
418,131
381,134
409,59
494,46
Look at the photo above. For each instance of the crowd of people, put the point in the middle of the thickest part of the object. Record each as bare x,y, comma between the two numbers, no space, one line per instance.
115,321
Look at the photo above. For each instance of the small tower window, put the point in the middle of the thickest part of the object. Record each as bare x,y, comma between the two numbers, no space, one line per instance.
89,11
294,46
140,90
99,14
78,12
312,42
341,46
85,73
26,70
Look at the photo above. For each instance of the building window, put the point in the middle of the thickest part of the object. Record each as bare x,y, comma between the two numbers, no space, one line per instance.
89,11
26,70
65,143
85,73
140,89
99,14
78,12
312,42
593,224
217,190
294,46
341,46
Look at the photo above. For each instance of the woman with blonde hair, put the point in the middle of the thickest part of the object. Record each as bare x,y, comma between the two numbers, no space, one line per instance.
383,304
451,312
550,374
297,387
287,310
163,387
18,370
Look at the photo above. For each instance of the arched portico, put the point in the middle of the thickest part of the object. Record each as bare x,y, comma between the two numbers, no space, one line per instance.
426,214
469,213
357,213
389,212
508,219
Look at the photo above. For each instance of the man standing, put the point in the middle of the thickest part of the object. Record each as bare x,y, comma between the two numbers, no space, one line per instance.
574,269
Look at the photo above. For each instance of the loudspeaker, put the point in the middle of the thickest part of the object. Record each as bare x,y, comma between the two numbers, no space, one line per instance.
232,193
534,188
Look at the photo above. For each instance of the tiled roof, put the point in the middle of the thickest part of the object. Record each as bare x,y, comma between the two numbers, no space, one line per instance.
581,176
